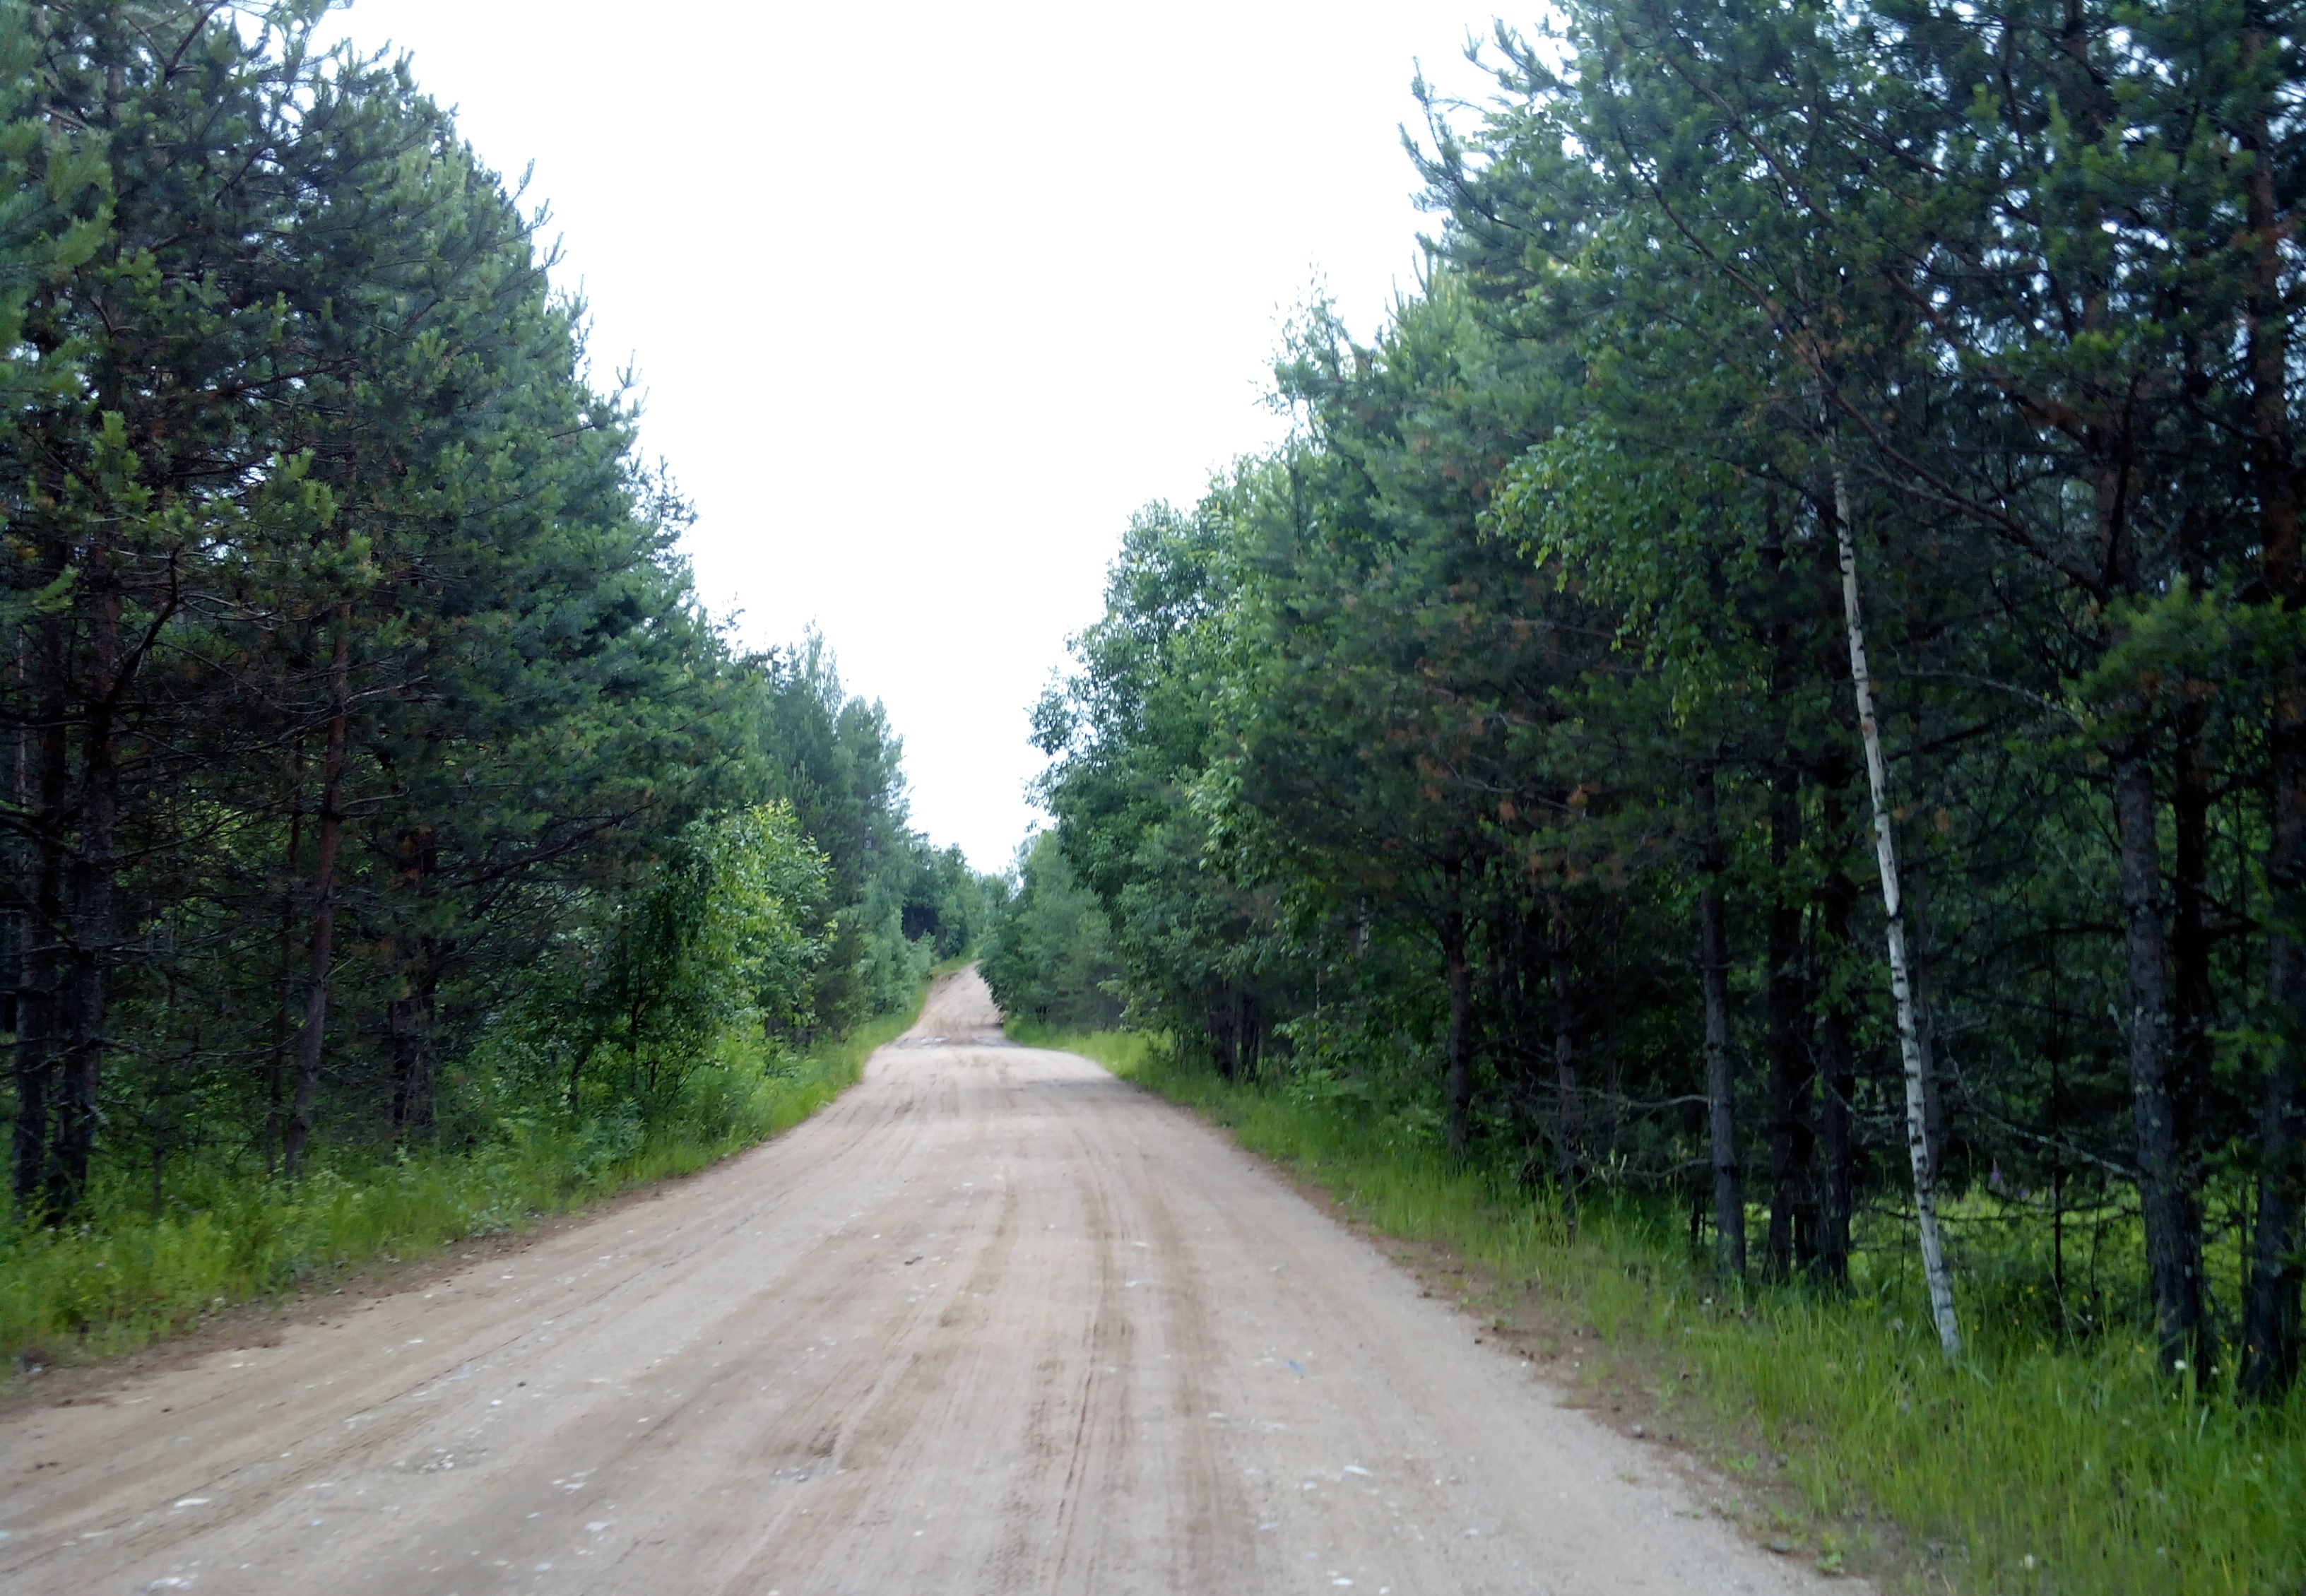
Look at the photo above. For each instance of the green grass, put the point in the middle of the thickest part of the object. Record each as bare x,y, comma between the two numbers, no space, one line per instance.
1124,1052
123,1279
2034,1467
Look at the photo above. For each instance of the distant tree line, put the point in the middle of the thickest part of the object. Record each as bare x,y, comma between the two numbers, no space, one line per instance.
1048,953
1494,749
357,717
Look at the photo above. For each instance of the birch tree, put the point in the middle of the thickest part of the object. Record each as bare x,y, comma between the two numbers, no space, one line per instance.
1911,1055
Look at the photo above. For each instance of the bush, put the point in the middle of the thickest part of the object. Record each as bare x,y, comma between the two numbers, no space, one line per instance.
125,1277
1048,952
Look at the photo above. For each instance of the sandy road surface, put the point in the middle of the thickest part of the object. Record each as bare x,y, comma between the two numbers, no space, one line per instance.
993,1322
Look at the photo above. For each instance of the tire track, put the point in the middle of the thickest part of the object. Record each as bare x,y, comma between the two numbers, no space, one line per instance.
994,1322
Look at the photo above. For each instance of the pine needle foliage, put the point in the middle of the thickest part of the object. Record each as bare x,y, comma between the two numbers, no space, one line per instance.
389,841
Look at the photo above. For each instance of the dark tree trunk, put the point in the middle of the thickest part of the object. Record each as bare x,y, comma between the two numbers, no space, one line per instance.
36,1015
1225,1036
2194,998
2270,1301
1456,1063
276,1083
80,1081
1836,1062
1721,1081
408,1018
2172,1232
89,883
1569,1153
2270,1297
1249,1032
1792,1233
328,837
576,1057
38,1003
1837,960
15,896
1792,1208
2055,1052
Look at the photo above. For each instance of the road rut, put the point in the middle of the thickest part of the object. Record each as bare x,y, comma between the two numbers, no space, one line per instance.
994,1321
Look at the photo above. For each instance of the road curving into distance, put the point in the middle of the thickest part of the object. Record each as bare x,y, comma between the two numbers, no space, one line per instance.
994,1321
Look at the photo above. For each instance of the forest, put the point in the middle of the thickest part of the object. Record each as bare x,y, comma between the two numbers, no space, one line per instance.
1766,704
1770,693
377,792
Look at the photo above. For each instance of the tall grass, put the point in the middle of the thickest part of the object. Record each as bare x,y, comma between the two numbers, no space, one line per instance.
124,1278
2036,1465
1127,1053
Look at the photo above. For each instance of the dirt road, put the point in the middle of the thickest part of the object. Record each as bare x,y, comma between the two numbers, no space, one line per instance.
993,1322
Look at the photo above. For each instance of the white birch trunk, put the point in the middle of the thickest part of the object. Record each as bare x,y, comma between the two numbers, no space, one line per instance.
1885,854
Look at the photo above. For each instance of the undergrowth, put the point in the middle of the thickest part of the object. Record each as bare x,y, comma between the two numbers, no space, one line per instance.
123,1278
2034,1465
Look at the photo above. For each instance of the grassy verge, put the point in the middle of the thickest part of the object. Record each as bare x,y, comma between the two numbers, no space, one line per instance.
1124,1052
2033,1467
125,1280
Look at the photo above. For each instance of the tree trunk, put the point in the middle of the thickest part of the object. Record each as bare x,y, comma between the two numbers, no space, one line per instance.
89,882
1837,959
1792,1221
1458,1067
275,1081
36,998
328,836
1837,910
1567,1153
408,1018
2193,996
576,1057
2055,1057
36,1010
2270,1305
15,902
1721,1080
1914,877
1885,853
90,879
2173,1233
1223,1049
2270,1298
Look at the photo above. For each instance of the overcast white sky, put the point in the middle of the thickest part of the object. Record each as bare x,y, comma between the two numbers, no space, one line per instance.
926,298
